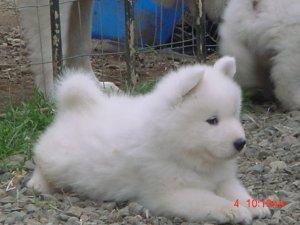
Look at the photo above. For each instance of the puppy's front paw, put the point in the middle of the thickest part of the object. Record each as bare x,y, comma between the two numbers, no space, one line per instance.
260,212
236,215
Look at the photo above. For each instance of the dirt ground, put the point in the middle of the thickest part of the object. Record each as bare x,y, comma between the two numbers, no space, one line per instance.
269,168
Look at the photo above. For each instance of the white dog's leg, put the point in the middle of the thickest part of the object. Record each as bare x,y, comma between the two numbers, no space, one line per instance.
79,40
38,182
201,205
233,190
245,61
286,77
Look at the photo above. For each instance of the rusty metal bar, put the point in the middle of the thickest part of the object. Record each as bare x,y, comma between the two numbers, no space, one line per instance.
132,77
200,29
56,37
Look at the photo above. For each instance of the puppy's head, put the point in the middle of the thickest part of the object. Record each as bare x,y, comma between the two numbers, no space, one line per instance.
208,109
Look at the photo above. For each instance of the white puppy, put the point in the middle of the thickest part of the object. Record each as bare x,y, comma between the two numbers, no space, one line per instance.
172,150
263,36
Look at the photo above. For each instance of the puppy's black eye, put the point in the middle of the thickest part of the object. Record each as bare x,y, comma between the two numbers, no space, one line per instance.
213,120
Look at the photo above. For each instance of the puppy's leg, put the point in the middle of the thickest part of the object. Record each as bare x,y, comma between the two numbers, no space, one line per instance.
79,40
285,74
233,190
39,183
199,205
245,61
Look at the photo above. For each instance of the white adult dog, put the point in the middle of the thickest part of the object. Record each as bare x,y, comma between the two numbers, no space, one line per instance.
263,36
173,150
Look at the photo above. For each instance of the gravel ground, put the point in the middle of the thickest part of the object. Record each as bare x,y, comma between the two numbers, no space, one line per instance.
269,168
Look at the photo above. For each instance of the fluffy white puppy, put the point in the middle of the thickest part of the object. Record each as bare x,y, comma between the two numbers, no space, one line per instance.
173,150
263,36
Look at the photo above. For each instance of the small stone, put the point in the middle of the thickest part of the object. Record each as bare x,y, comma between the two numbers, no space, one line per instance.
257,222
19,216
10,220
109,206
276,217
2,193
289,220
7,206
297,183
277,165
124,212
31,208
135,208
177,220
295,115
134,220
262,155
32,222
63,217
290,207
7,199
29,165
5,177
74,211
73,221
258,168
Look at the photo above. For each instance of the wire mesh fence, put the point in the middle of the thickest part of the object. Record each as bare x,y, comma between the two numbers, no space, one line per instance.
132,41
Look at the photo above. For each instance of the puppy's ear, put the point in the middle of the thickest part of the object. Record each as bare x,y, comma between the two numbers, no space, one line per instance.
226,65
177,85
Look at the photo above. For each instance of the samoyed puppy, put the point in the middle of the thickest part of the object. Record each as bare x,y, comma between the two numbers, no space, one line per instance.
173,150
263,36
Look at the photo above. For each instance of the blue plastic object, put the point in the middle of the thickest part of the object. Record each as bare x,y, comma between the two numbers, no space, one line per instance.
154,23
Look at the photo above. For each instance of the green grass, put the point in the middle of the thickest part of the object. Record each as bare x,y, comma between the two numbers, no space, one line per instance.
21,125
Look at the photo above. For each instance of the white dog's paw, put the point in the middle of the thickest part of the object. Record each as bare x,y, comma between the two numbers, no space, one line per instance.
38,183
260,212
235,215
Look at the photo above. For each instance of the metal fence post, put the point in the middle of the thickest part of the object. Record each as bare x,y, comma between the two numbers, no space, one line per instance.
56,37
132,77
200,28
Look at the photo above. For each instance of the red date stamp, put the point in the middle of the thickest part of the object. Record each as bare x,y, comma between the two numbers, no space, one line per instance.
253,203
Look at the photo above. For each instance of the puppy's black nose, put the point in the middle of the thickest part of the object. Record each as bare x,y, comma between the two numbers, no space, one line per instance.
239,144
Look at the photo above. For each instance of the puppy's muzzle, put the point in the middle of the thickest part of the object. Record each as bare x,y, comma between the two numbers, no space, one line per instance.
239,144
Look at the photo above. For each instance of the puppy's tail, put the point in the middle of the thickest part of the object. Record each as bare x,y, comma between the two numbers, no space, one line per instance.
77,89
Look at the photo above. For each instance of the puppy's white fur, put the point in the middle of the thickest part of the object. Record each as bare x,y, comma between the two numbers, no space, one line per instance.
157,149
263,36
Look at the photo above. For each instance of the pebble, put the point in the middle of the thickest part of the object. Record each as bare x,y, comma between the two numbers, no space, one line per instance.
7,199
31,208
291,206
109,205
74,211
276,217
73,221
63,217
29,165
124,212
135,208
277,165
257,222
258,168
262,155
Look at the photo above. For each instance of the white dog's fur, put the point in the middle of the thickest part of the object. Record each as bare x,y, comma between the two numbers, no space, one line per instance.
157,149
263,36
